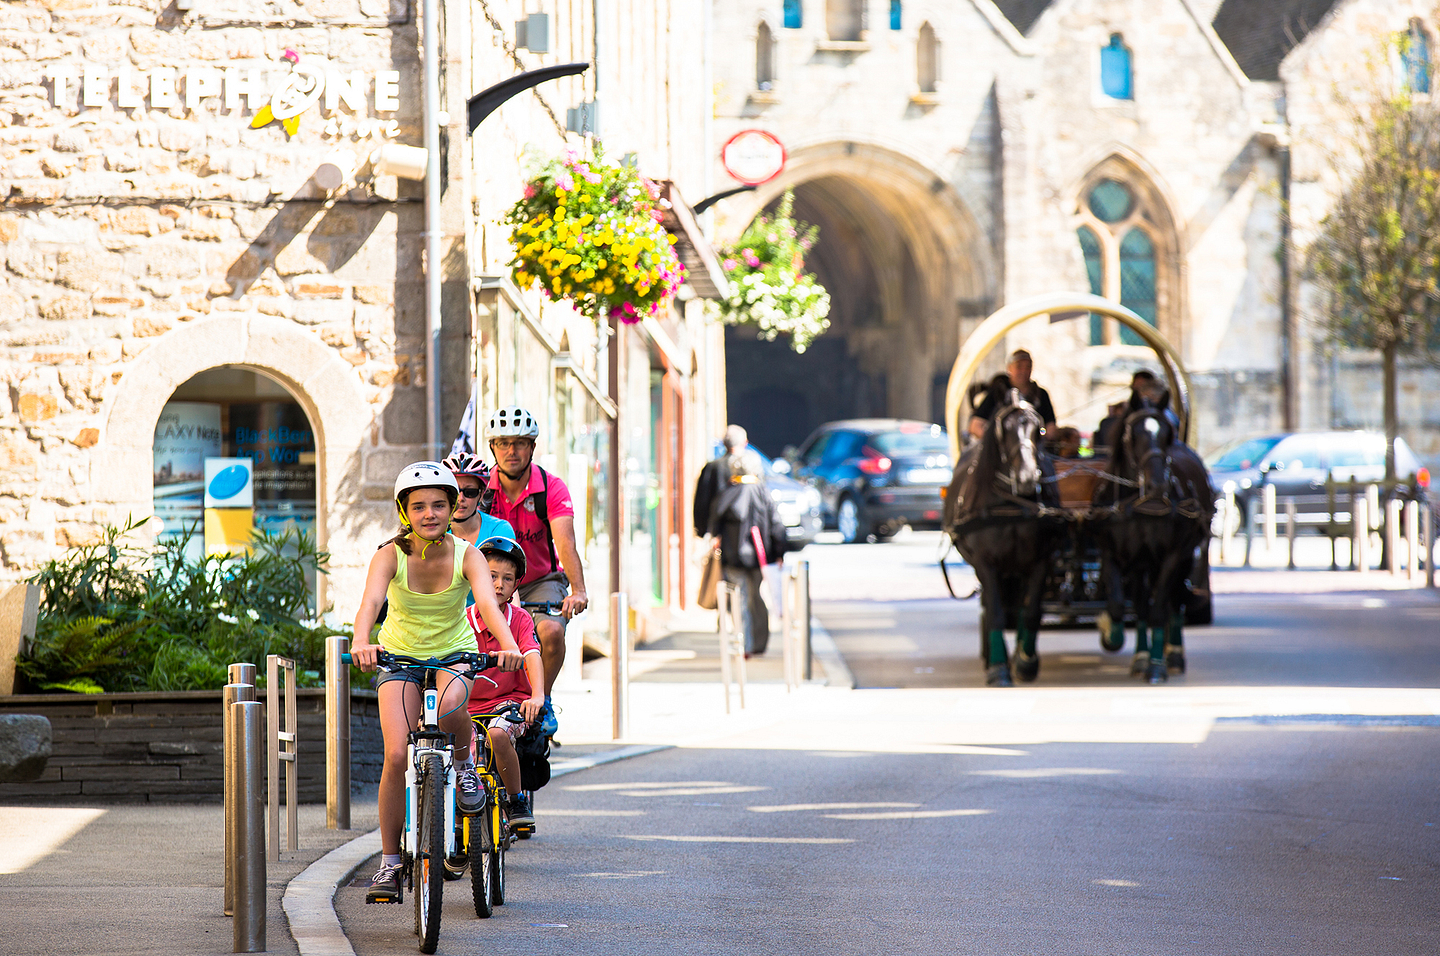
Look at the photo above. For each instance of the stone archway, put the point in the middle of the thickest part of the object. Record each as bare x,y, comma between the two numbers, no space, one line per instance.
905,263
324,384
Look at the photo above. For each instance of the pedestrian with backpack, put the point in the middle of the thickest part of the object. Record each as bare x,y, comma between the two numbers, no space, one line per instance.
538,506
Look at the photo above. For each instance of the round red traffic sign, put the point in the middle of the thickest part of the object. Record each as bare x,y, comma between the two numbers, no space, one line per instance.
753,156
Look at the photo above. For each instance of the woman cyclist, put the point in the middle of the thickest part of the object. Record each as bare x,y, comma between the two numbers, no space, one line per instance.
426,573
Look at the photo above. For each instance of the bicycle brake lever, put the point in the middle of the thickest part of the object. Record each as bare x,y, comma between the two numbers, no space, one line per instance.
491,682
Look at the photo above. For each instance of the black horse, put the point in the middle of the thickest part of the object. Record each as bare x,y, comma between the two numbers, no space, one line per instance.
1149,523
995,512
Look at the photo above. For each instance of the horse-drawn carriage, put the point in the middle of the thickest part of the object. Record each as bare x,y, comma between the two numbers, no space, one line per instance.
1099,538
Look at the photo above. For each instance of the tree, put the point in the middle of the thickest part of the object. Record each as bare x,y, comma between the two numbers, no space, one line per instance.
1377,253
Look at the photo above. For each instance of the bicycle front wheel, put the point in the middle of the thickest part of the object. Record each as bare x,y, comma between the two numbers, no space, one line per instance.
430,854
497,877
482,851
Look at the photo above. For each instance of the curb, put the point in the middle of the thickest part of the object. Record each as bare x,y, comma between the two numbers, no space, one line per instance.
309,899
822,645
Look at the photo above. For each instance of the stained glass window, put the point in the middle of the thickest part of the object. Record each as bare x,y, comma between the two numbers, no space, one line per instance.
1115,72
1095,272
1415,58
1111,201
794,16
894,14
1137,280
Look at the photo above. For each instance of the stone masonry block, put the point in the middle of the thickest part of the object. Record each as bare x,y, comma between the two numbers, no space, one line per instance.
172,262
324,312
66,308
85,269
25,742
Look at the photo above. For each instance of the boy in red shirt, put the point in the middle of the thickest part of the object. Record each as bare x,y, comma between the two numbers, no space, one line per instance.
525,687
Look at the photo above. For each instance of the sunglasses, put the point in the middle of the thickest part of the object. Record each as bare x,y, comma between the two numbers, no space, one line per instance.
470,492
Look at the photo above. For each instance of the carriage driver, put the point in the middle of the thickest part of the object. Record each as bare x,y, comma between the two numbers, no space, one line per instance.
538,506
1018,368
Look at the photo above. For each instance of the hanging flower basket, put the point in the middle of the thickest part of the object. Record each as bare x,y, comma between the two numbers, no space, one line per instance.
591,233
771,289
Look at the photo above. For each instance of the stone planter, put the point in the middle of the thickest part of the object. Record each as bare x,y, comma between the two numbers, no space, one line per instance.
166,747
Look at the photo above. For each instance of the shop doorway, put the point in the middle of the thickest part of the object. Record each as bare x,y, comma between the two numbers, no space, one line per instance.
232,416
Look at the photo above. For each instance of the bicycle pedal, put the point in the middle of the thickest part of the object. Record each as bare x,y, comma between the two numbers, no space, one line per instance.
392,898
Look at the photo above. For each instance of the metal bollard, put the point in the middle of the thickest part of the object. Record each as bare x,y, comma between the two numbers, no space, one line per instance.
1269,498
1290,531
1412,539
789,627
1360,522
337,734
283,745
732,641
248,825
1428,549
802,617
1392,533
231,693
1227,532
242,674
619,665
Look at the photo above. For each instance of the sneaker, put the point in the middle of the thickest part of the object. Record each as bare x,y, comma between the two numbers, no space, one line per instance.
548,723
519,813
385,885
469,794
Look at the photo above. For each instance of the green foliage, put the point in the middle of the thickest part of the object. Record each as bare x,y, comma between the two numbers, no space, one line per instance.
1377,253
118,616
769,286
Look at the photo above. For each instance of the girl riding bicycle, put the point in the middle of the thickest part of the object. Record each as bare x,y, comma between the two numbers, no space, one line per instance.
426,573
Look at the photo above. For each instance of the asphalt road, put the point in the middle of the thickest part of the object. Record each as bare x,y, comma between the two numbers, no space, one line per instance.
1315,835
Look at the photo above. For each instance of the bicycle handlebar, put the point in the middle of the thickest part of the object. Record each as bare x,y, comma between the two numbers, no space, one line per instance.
511,712
389,661
544,607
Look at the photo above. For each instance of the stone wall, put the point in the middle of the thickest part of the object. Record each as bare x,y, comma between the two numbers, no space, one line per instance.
169,748
142,203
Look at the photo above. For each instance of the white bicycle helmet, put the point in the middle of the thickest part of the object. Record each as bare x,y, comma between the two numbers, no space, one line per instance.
512,421
424,474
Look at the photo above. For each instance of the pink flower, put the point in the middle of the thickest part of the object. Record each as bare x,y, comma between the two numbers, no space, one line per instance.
565,182
751,259
730,264
291,56
529,190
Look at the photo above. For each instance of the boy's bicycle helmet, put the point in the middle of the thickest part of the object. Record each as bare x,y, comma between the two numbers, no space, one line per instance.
511,421
505,547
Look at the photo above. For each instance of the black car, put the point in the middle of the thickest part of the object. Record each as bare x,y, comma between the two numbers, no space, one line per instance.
876,475
1298,464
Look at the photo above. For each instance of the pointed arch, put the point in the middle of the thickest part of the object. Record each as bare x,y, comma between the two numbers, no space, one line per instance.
764,57
845,19
1130,244
927,59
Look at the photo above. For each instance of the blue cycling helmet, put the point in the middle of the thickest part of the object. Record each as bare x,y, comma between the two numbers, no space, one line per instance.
506,547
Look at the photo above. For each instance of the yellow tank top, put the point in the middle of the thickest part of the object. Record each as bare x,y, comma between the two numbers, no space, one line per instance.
428,625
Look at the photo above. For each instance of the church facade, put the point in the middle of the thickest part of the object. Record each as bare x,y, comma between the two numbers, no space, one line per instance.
960,156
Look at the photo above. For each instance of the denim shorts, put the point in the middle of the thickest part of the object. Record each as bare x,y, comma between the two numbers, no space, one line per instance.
414,675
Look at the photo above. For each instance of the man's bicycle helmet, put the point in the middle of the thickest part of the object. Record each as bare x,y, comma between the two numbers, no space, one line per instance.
512,421
505,547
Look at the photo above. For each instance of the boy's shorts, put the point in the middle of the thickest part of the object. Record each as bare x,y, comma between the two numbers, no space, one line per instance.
514,730
553,588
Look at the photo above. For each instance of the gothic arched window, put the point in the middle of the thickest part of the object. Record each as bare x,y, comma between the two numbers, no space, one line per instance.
1115,70
794,15
1124,232
764,58
927,59
1137,280
1415,58
895,14
1095,272
844,19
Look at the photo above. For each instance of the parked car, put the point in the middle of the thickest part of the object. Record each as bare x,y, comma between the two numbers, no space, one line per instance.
798,504
876,475
1298,464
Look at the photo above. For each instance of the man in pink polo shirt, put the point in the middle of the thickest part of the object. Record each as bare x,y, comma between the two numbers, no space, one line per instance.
538,506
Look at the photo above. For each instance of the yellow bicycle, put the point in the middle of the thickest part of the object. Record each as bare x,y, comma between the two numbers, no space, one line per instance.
487,835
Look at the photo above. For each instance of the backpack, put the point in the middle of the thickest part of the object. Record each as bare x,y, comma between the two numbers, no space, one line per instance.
533,749
542,511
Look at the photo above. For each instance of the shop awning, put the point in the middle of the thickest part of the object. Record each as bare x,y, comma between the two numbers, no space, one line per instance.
702,265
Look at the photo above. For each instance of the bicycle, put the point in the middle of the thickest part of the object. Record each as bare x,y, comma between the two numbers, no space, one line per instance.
487,874
427,843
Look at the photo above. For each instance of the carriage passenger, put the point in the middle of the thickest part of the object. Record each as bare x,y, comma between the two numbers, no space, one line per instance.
1018,370
1143,383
